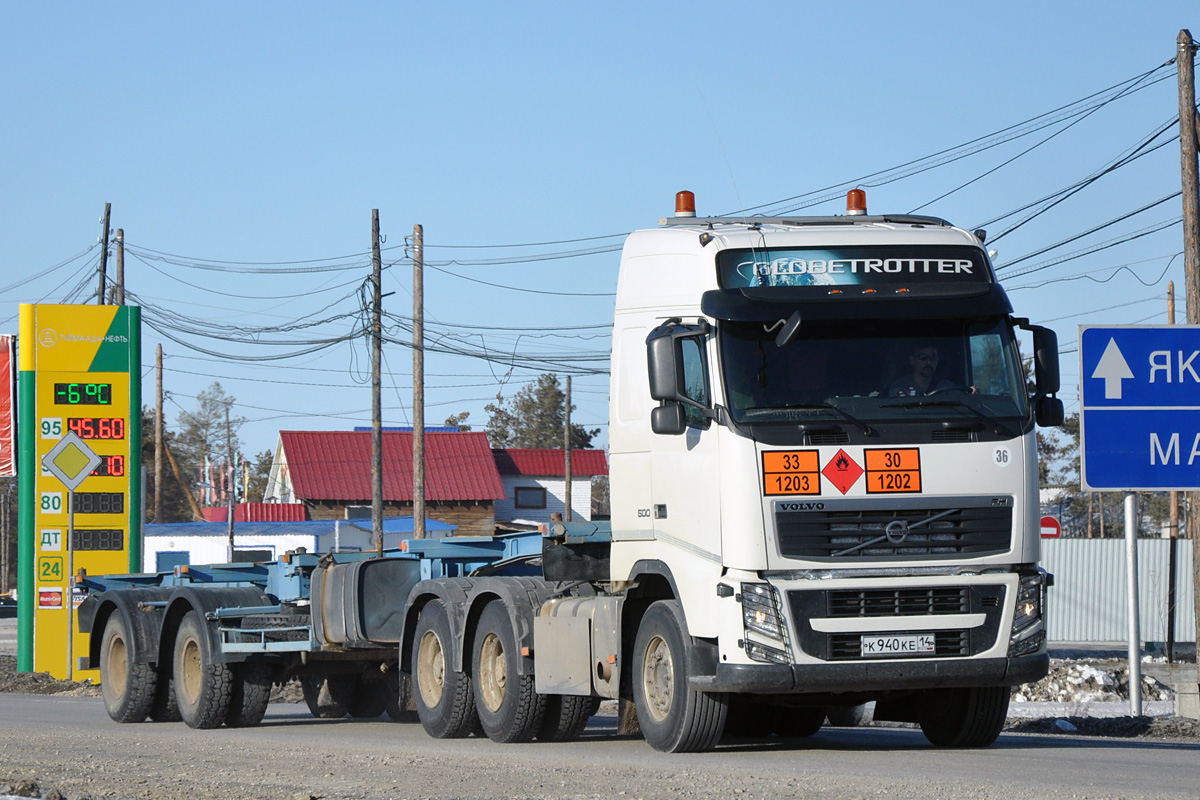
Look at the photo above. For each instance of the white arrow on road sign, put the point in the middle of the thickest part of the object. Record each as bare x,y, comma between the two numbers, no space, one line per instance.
1112,369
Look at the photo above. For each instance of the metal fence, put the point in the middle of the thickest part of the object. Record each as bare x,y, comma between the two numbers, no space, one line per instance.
1088,600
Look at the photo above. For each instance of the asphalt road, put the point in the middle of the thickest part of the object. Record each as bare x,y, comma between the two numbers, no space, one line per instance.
69,743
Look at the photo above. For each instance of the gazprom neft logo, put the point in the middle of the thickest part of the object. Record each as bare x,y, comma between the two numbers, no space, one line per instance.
48,338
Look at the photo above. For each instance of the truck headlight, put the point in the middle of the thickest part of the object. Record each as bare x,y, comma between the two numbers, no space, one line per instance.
1028,629
759,612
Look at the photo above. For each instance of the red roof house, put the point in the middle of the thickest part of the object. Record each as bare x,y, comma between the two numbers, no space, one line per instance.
330,472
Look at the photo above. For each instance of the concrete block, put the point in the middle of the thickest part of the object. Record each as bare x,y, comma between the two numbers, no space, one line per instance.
1187,700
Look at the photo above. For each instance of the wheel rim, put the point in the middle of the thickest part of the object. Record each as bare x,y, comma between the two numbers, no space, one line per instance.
431,670
493,672
117,658
192,668
658,678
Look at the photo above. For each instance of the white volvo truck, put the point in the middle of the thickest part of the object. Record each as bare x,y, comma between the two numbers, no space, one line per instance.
824,487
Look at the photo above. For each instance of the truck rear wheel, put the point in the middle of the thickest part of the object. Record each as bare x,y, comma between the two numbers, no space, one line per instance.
674,718
964,717
445,702
509,707
327,696
566,716
165,707
251,694
799,723
127,685
369,699
203,687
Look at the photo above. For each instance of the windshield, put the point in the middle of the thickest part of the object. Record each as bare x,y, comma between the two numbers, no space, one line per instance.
873,370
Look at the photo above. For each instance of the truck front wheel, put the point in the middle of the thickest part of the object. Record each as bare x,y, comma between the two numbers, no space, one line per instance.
127,685
509,708
674,718
445,702
203,687
964,717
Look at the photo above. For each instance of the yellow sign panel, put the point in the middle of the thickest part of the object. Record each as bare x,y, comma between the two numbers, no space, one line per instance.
86,373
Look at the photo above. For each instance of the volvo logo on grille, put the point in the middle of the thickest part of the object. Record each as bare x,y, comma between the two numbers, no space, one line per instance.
896,531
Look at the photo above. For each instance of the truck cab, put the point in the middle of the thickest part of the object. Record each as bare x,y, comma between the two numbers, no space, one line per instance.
822,437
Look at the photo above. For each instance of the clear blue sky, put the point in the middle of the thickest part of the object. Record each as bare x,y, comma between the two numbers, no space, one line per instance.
266,132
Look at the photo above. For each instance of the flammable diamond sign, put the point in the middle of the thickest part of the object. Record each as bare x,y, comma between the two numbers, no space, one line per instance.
842,471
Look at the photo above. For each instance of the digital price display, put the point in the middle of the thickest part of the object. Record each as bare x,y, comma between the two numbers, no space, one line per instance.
99,502
110,467
83,394
99,539
97,427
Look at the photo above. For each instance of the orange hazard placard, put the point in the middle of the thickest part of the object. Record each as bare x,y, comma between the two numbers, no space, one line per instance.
893,471
791,472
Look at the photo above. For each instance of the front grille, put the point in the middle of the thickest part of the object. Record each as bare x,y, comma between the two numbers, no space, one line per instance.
899,602
816,438
857,529
912,603
953,435
845,646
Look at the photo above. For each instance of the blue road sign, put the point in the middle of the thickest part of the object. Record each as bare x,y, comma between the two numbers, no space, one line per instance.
1140,397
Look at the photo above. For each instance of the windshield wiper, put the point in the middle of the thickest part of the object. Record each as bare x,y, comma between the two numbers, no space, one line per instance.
997,426
853,420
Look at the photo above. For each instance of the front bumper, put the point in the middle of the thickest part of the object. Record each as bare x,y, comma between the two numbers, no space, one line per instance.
872,676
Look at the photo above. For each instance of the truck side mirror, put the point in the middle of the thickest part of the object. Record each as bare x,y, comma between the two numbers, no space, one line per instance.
1045,360
668,419
1048,412
661,363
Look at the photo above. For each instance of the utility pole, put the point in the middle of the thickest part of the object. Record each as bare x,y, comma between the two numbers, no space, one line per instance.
376,384
103,253
1185,63
418,382
567,454
229,479
120,287
158,436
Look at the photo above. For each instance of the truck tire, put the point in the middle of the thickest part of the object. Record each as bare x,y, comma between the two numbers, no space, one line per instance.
368,700
127,685
327,696
203,687
964,717
251,694
445,702
565,717
509,707
847,716
674,717
165,707
799,723
399,705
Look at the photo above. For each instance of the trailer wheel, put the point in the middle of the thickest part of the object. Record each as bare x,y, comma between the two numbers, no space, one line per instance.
509,707
251,694
799,723
127,685
566,716
964,717
203,687
327,697
400,706
674,717
445,702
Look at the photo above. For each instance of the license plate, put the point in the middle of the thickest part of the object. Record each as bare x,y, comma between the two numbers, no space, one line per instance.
904,645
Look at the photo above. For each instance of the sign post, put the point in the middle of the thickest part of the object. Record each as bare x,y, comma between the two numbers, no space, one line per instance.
1139,428
71,460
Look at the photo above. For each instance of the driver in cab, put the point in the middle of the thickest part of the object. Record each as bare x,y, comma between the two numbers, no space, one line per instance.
919,380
